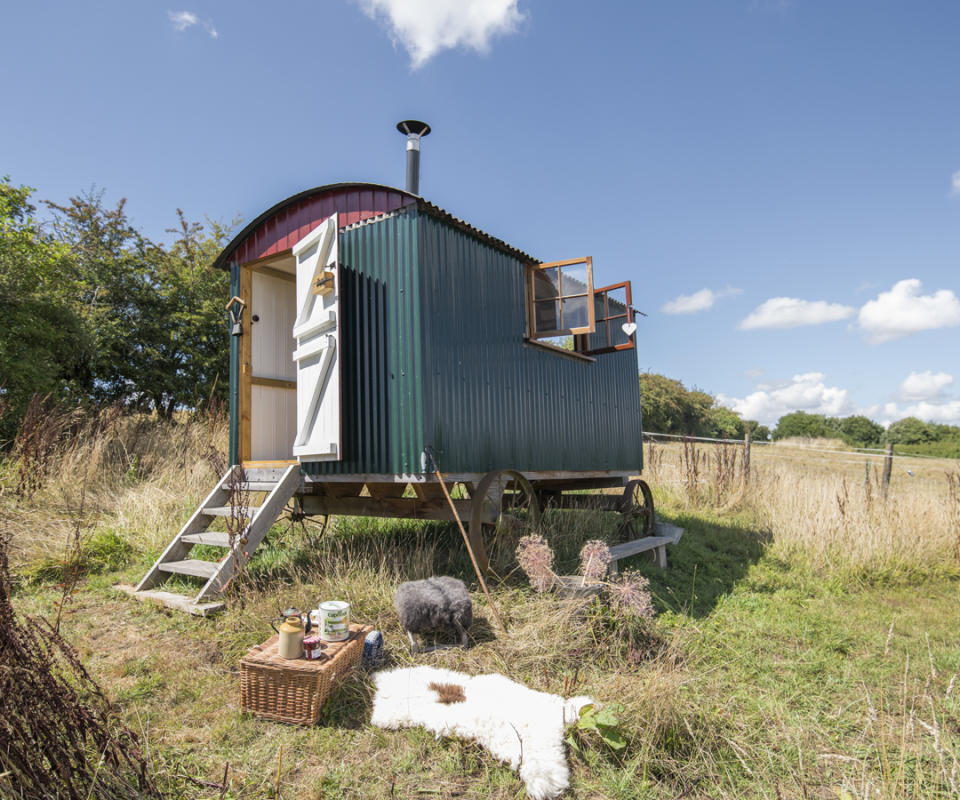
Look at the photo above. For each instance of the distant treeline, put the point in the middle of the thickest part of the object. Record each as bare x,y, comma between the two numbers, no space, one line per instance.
669,407
93,312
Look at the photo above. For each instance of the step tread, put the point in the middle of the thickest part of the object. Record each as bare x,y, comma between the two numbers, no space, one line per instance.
191,566
258,486
215,538
173,600
229,511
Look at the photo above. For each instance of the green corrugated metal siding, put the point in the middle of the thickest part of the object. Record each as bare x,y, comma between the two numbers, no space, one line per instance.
381,349
493,402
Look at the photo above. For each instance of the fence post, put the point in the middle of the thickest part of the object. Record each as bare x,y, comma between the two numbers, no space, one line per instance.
887,470
746,458
866,472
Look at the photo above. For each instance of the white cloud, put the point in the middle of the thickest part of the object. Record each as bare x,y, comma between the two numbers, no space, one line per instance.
425,27
790,312
924,385
955,182
903,311
182,20
944,413
805,392
698,301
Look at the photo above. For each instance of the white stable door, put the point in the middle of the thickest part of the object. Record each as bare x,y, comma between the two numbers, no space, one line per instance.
317,354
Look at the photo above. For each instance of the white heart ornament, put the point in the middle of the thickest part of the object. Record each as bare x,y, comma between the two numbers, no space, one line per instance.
629,328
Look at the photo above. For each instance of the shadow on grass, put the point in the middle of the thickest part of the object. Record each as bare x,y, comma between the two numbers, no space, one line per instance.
705,565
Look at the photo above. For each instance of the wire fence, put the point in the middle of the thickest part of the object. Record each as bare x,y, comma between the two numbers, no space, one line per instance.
865,452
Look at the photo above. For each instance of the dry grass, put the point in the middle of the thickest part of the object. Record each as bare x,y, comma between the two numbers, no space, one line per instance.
136,474
767,672
827,507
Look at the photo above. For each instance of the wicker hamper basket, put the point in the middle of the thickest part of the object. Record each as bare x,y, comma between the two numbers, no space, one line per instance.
295,691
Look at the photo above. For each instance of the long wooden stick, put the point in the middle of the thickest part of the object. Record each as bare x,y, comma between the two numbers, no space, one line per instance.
473,558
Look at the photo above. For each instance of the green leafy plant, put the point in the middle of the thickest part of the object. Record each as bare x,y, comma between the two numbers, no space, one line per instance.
602,723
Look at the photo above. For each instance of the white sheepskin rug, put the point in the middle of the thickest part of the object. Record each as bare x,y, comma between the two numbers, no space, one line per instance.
519,726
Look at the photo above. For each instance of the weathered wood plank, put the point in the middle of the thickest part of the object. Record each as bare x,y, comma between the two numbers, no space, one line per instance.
247,512
215,538
191,566
173,600
398,507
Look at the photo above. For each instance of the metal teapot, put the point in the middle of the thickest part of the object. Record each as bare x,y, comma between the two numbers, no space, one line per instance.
292,612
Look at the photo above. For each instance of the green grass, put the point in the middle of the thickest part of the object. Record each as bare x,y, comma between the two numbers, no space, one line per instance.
762,676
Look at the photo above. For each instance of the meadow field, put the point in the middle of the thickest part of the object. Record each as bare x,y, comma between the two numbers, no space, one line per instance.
805,642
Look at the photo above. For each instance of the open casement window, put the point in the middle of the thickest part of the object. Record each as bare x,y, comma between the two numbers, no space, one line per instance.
615,326
560,297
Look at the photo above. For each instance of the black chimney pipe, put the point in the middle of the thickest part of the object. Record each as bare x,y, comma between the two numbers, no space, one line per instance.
414,129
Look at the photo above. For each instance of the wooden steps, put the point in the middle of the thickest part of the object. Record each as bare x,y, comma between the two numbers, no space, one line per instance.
277,486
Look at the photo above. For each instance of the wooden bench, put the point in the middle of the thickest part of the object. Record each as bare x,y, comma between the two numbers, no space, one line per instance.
664,534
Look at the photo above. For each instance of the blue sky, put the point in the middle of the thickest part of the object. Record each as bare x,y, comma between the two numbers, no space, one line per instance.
780,180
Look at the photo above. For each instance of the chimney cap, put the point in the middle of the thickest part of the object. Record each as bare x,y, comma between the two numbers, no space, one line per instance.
414,127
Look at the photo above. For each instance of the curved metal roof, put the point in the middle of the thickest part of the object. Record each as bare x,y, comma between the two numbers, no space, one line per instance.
224,258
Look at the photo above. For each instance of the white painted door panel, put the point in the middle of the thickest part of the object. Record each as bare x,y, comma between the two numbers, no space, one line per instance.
273,423
316,330
274,305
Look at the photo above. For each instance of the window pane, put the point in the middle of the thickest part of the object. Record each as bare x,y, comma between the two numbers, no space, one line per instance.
575,279
546,284
546,315
575,312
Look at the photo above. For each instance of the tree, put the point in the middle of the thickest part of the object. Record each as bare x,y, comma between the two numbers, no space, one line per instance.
725,423
800,423
44,346
860,431
155,316
663,403
757,431
909,430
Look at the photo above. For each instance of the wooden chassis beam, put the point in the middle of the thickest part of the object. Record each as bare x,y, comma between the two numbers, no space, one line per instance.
395,507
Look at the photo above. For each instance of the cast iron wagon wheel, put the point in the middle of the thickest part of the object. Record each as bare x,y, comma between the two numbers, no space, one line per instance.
636,511
507,495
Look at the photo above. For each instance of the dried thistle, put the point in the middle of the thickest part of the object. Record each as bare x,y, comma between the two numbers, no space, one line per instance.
536,560
630,593
594,560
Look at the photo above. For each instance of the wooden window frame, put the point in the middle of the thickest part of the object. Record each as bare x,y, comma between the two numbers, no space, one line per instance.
627,317
532,269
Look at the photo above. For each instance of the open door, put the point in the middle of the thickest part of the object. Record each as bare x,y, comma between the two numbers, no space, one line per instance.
317,354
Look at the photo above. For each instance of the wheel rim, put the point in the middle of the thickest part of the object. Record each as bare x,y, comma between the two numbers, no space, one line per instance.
636,511
509,496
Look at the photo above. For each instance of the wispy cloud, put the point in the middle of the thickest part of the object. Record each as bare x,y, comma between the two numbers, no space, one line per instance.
426,27
807,392
790,312
698,301
904,311
181,20
955,182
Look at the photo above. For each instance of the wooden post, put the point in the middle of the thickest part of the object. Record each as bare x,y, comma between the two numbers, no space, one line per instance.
887,470
746,459
866,472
